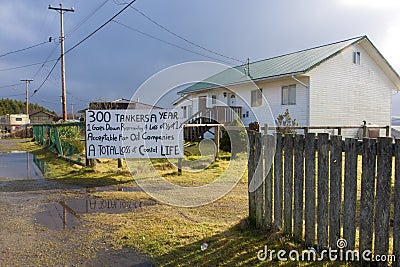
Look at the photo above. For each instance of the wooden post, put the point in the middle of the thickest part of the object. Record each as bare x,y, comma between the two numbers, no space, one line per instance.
310,189
288,184
179,166
269,151
119,163
258,179
367,194
250,176
383,184
350,193
265,129
396,220
216,140
335,200
298,186
323,173
278,188
365,132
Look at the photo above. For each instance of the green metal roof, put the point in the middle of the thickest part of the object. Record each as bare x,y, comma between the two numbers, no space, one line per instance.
289,64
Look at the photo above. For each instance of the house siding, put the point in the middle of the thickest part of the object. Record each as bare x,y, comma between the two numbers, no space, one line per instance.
344,93
273,94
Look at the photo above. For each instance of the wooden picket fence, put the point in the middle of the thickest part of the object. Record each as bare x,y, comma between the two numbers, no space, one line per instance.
309,188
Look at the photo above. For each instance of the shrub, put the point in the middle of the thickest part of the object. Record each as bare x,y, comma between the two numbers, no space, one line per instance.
285,123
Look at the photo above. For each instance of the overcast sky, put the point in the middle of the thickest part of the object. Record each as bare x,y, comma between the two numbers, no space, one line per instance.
117,60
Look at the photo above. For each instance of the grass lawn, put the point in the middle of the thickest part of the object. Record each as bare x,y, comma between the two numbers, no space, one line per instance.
216,234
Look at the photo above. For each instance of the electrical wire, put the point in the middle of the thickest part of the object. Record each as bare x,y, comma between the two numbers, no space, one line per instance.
45,61
23,49
29,65
48,75
183,38
80,42
169,43
11,85
76,98
85,19
12,95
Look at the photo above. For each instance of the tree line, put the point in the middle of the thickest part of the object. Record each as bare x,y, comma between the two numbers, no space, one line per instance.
12,106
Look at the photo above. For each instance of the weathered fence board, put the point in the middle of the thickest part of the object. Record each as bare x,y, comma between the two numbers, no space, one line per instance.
383,184
269,151
323,206
309,151
335,196
258,178
368,194
323,174
288,184
298,186
396,220
251,170
350,192
278,186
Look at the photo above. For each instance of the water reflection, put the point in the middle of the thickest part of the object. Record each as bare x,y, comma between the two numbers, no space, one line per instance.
20,165
66,213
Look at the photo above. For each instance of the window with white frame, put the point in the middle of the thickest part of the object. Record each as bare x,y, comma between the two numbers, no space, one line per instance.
214,99
256,98
289,95
357,58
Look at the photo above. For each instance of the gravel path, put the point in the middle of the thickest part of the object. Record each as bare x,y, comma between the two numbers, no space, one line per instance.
23,242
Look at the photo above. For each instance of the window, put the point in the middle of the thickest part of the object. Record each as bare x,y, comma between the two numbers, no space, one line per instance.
189,111
289,95
184,109
357,58
256,98
213,99
18,119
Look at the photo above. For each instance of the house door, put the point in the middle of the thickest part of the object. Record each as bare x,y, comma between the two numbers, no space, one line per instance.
202,103
232,100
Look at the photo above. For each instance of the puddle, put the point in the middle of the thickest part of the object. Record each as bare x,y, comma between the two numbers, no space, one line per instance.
21,165
66,214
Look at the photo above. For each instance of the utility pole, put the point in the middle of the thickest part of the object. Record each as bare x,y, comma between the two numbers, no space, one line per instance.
27,81
62,10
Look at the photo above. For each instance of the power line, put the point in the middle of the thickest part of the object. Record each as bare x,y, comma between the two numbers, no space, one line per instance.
48,75
11,85
12,95
23,49
80,42
169,43
99,28
76,98
26,66
183,38
79,24
45,61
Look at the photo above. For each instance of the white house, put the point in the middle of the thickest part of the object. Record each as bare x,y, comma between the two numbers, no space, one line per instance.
338,84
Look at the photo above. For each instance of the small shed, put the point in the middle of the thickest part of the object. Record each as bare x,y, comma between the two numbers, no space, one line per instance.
42,117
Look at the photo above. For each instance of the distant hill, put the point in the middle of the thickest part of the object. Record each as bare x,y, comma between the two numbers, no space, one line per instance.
12,106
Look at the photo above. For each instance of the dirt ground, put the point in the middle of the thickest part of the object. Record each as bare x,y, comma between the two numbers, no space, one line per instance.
24,242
